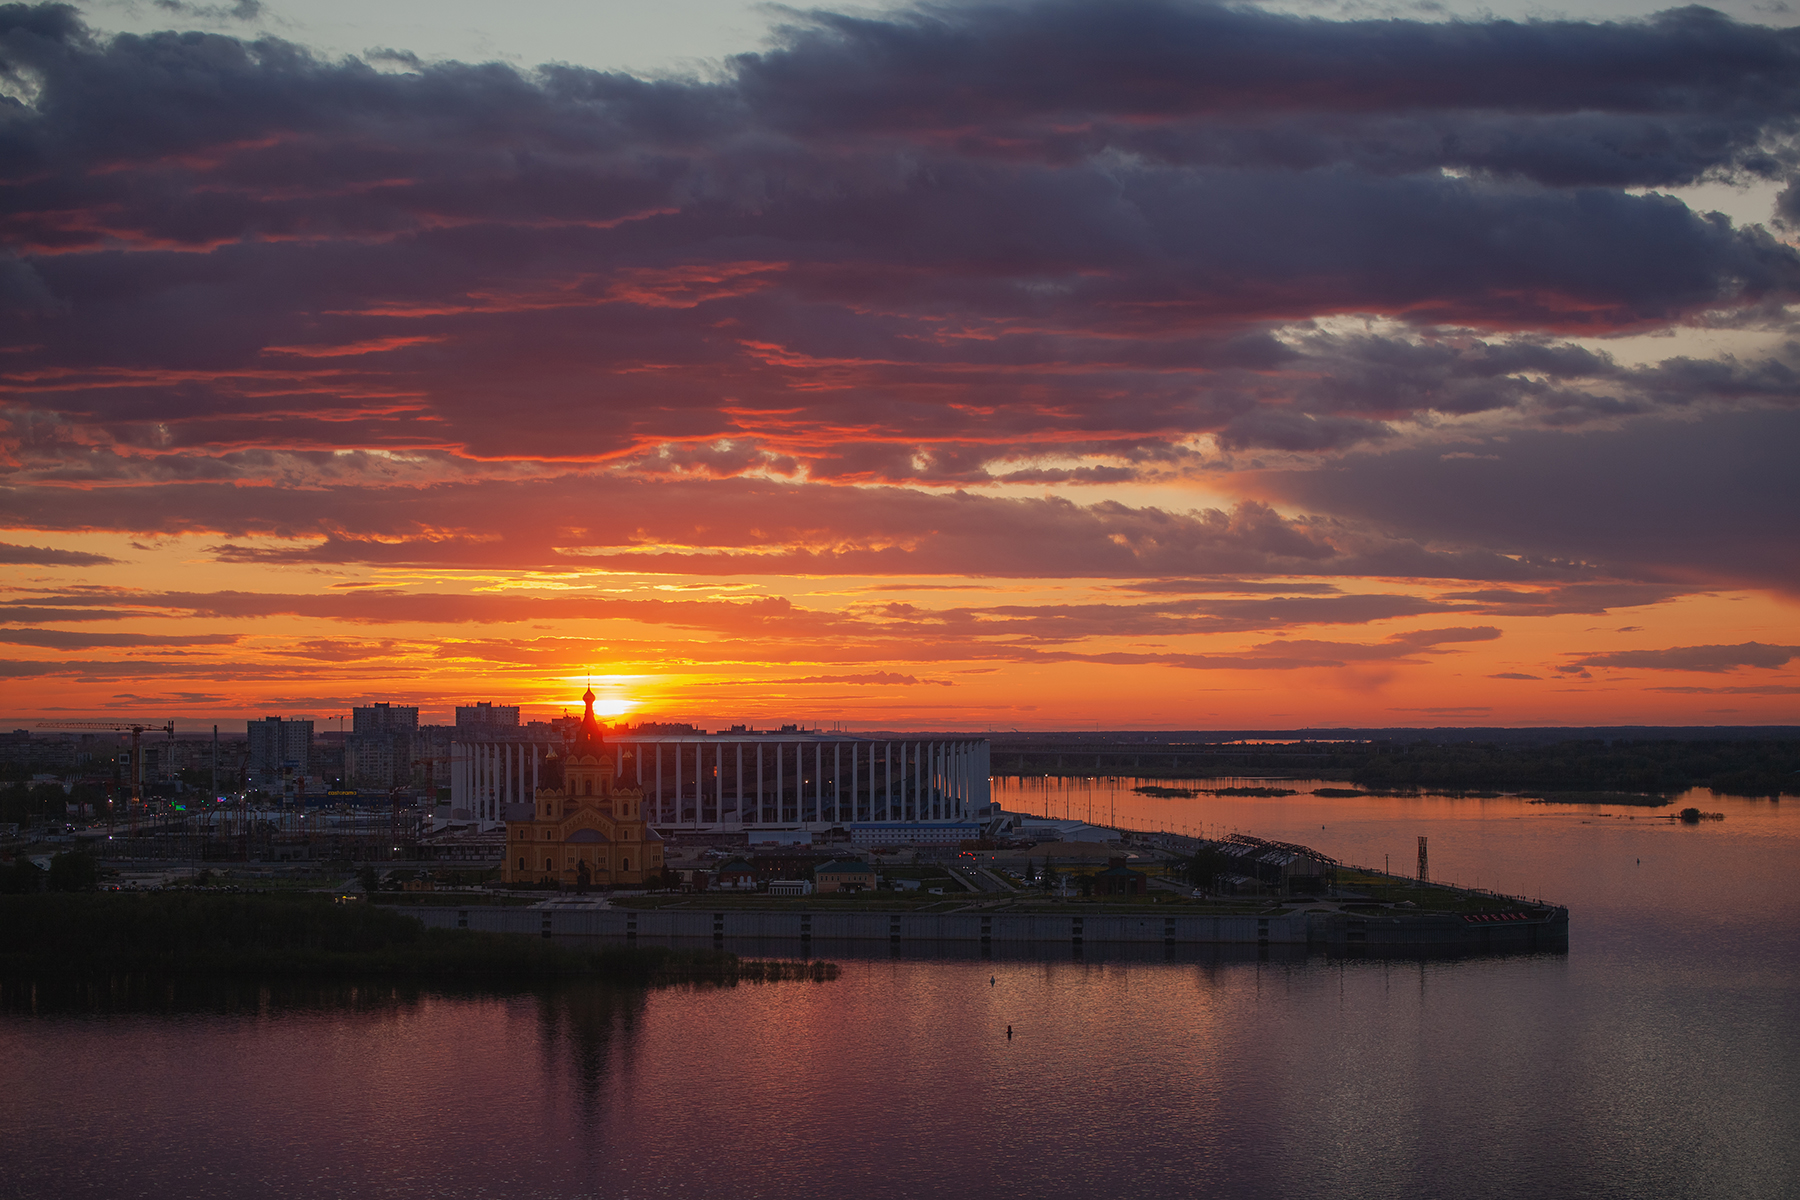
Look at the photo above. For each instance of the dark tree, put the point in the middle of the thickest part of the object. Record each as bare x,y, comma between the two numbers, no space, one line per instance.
24,876
1206,865
74,871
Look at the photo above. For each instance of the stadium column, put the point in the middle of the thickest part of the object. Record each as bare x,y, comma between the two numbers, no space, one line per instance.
934,776
940,793
950,780
919,808
941,760
962,767
962,785
957,782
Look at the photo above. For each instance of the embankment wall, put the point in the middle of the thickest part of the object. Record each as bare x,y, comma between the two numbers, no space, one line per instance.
1424,930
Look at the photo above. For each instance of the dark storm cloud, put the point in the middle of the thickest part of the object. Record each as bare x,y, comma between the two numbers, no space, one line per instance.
49,556
750,527
1662,101
59,639
1678,501
1051,243
1693,658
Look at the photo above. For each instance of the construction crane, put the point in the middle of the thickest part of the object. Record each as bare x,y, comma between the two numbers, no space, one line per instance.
137,729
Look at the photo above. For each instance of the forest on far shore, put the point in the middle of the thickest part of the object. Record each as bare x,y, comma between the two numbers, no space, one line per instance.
1731,768
1657,766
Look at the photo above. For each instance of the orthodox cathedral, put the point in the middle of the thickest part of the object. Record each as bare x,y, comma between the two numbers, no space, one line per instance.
582,828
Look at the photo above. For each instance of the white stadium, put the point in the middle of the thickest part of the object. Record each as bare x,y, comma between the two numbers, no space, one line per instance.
731,782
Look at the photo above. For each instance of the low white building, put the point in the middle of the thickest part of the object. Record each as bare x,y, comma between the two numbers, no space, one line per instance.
1052,829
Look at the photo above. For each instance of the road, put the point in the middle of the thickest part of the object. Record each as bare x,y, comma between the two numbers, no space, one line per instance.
979,879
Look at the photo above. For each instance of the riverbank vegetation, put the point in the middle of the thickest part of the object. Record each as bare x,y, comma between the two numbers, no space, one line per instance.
1626,799
287,937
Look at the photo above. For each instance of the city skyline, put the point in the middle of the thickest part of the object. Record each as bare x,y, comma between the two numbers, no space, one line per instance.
1023,366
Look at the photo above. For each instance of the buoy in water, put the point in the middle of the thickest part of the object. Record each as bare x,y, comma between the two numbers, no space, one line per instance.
1009,1033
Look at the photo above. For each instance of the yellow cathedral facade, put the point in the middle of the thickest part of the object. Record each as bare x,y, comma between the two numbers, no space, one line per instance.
583,829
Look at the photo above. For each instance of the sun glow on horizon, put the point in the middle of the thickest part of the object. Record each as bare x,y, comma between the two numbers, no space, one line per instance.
613,695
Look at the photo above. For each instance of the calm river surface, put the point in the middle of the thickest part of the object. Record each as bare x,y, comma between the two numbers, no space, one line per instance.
1657,1057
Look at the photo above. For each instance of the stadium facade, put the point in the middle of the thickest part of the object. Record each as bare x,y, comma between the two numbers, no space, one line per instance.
728,782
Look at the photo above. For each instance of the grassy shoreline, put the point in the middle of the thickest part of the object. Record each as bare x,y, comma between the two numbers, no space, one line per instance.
91,935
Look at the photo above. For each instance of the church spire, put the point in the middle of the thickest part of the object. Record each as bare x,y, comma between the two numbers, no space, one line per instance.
589,739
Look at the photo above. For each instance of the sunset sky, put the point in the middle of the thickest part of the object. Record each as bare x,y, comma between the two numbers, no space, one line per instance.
964,366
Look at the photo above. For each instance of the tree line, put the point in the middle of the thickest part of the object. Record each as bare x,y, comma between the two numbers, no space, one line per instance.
1732,768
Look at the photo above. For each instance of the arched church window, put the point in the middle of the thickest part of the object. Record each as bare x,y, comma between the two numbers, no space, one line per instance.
521,864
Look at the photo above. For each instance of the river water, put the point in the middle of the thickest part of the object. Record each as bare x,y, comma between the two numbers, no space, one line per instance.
1656,1057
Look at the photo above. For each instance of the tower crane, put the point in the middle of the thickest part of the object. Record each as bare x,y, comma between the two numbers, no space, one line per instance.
137,729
